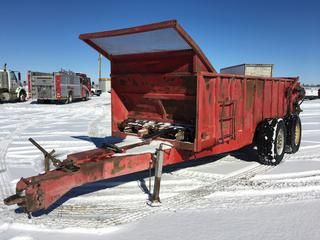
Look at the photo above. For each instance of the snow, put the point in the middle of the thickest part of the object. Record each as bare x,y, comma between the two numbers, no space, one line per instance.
228,196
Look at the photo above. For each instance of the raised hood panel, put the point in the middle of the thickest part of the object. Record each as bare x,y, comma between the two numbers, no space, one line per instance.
153,38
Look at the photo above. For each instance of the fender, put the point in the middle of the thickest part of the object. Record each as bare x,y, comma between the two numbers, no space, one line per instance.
19,90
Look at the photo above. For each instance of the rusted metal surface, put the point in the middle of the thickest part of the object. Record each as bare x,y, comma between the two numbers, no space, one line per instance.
251,100
40,192
178,88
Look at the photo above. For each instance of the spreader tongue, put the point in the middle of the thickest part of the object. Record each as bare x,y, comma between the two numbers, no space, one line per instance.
14,199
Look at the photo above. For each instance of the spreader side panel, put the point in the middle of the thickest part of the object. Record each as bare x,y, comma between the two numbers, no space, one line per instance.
230,107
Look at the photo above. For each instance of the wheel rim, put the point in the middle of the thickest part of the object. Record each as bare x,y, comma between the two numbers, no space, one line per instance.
280,142
297,134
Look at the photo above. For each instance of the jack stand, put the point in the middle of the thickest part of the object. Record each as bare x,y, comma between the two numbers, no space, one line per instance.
155,198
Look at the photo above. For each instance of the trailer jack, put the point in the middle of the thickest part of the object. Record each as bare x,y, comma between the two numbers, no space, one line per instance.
154,201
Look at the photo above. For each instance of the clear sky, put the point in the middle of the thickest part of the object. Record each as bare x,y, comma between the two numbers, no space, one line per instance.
43,35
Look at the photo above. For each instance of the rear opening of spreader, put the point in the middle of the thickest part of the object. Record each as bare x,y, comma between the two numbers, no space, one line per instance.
151,100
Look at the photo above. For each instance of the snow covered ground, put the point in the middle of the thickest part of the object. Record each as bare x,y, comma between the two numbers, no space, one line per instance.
228,196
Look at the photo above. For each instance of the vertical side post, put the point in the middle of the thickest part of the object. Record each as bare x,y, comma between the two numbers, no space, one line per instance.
157,175
99,60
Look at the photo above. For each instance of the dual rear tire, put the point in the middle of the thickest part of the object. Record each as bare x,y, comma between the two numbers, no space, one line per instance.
70,98
86,98
293,125
275,137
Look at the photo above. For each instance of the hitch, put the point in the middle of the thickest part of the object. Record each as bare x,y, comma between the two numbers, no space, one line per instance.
41,191
14,199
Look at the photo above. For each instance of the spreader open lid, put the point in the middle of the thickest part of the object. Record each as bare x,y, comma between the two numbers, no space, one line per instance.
157,37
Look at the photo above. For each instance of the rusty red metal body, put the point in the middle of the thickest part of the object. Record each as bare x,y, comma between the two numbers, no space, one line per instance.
169,82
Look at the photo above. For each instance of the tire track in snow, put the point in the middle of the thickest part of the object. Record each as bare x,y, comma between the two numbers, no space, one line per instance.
5,189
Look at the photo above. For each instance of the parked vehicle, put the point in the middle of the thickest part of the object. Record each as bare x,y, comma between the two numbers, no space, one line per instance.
95,89
164,87
312,92
11,88
63,86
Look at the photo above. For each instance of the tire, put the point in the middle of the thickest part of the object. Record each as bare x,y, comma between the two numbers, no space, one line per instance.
22,97
86,98
6,97
271,141
70,98
293,124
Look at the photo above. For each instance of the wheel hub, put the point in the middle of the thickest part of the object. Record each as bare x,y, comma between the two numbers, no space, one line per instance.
280,142
297,134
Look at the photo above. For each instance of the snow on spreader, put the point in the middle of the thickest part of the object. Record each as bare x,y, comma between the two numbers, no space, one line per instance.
165,89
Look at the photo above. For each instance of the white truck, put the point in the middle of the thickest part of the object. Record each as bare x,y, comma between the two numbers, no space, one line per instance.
312,92
11,88
95,89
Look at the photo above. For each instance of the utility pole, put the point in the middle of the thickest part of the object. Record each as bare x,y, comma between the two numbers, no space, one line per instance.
99,59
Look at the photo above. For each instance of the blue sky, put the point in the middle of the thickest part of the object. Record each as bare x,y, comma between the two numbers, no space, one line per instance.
43,35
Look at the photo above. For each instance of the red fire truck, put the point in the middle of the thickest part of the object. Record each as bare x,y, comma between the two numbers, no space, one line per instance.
63,86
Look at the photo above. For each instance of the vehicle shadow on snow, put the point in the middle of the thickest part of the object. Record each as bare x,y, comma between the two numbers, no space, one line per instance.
100,141
54,102
246,154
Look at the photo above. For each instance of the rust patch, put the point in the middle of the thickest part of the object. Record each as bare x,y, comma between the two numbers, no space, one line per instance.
116,166
190,83
250,94
221,95
207,82
260,87
204,135
92,168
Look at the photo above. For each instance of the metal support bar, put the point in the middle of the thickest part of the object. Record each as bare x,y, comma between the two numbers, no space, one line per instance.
48,156
157,176
66,165
158,165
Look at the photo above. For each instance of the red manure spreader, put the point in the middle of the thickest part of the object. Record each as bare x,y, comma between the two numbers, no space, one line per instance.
164,88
